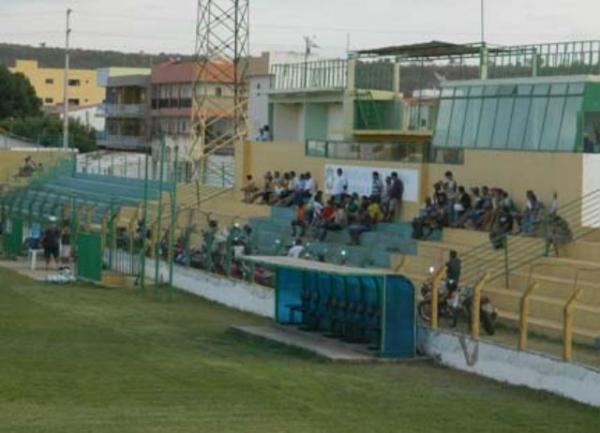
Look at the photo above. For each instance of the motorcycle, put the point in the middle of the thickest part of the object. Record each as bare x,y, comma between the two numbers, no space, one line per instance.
457,303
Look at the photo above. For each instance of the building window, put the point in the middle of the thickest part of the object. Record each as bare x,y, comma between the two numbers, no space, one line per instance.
218,92
49,81
74,83
258,86
74,102
48,101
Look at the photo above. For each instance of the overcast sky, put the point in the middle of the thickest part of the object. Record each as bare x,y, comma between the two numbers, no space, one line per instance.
168,25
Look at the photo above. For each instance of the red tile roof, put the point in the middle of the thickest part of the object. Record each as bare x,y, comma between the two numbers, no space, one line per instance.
177,72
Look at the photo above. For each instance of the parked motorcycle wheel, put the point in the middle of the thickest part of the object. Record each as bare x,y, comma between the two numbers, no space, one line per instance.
487,320
424,310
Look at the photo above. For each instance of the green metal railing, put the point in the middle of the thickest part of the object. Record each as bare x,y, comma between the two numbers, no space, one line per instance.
573,221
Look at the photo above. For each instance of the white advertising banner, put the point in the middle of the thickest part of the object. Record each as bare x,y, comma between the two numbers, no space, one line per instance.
360,179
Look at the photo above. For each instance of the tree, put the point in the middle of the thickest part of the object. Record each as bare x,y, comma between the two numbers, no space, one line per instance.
17,96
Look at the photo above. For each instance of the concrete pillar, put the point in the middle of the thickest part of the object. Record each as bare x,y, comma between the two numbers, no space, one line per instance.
349,97
484,63
397,79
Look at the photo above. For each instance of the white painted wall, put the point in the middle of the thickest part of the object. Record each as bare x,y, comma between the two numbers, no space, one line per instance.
88,117
591,183
236,294
288,122
258,103
335,124
531,370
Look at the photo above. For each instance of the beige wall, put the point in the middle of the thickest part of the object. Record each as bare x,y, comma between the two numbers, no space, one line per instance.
51,93
515,172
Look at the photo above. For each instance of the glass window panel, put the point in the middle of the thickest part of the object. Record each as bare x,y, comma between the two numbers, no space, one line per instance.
541,89
502,125
461,92
476,91
576,88
443,122
519,123
535,123
488,114
507,90
491,90
472,122
568,132
457,122
558,89
552,123
524,89
448,92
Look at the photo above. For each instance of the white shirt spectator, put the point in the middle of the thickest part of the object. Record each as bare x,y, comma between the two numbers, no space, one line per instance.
309,185
296,251
340,184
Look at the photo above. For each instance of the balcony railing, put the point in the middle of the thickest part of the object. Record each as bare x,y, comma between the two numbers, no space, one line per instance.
125,110
398,152
122,142
324,74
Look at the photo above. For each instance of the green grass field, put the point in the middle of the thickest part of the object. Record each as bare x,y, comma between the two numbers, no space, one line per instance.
84,359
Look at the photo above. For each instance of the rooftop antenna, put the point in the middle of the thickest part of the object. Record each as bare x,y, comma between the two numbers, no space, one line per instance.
309,44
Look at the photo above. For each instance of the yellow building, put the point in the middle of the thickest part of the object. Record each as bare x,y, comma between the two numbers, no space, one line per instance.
49,84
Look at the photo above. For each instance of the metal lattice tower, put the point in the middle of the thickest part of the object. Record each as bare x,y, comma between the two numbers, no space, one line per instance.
220,119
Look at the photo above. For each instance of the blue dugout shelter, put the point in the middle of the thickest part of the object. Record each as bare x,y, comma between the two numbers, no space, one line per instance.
370,306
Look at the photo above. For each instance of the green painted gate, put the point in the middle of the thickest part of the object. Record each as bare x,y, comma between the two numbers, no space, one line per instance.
89,257
12,239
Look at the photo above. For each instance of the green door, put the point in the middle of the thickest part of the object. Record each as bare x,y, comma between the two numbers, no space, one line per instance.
89,257
13,236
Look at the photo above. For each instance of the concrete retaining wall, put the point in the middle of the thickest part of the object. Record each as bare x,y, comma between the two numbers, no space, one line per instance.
236,294
532,370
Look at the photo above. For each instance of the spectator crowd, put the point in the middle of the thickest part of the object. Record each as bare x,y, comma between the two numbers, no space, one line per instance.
486,209
317,215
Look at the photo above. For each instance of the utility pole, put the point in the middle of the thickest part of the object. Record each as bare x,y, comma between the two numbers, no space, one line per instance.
483,21
66,84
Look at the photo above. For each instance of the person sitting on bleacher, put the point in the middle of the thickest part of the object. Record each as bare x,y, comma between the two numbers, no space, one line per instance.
249,189
265,193
427,221
440,200
28,168
462,206
296,250
280,189
314,208
374,210
362,224
335,223
487,210
352,207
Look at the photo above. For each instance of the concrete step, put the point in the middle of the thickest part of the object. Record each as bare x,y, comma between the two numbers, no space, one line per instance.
545,307
560,288
440,249
552,328
568,268
473,238
582,250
